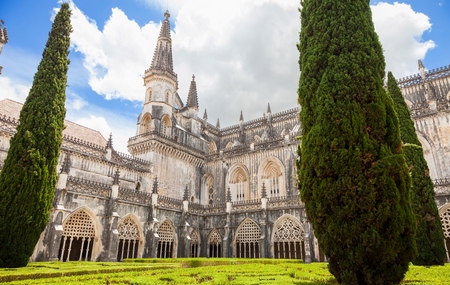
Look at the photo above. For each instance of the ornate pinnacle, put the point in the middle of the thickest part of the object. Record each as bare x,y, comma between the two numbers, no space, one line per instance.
218,123
186,194
205,115
116,177
167,15
268,109
228,194
65,168
264,192
241,118
109,144
155,186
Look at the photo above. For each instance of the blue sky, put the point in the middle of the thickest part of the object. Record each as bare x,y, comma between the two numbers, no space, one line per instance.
242,53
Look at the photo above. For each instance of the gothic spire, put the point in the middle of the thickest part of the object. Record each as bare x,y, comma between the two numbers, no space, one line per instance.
205,115
109,144
218,123
162,58
192,100
268,109
241,118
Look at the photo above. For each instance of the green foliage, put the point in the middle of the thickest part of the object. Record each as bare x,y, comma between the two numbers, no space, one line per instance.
429,235
166,271
29,176
352,173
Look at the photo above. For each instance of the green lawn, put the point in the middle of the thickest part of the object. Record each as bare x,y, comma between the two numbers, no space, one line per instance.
195,271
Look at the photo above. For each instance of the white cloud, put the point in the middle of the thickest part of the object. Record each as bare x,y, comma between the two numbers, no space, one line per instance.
75,102
400,30
243,52
13,90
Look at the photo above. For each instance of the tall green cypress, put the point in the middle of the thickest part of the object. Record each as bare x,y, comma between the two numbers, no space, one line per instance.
429,235
353,176
29,175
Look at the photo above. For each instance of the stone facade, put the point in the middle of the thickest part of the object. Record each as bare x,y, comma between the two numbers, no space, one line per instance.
190,188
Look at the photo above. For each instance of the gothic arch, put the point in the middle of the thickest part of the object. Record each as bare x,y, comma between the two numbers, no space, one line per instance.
208,188
167,240
212,147
146,123
271,172
238,182
80,236
288,238
195,243
246,240
214,244
166,126
131,238
444,213
428,151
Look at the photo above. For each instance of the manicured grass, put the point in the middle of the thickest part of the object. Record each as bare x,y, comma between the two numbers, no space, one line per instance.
196,271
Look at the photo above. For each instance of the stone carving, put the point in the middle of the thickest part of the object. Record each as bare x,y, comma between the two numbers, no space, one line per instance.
88,187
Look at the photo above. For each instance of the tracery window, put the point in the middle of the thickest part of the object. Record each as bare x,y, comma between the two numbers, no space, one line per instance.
195,242
272,177
247,240
166,126
145,124
215,244
288,240
445,219
77,238
166,241
128,240
239,185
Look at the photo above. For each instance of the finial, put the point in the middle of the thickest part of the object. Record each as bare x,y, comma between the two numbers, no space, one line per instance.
155,186
228,194
421,64
241,118
268,108
109,144
218,123
65,168
205,115
186,194
167,15
193,77
264,192
116,177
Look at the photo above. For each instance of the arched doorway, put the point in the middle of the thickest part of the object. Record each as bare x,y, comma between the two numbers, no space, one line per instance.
288,239
248,235
78,237
128,239
166,242
214,244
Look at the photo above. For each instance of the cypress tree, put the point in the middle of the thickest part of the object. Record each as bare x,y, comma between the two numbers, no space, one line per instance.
429,235
353,177
29,175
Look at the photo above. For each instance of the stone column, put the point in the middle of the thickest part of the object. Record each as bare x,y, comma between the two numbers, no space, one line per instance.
55,234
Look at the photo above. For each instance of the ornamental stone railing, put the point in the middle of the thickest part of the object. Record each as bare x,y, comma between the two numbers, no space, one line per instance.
284,202
131,195
8,123
88,187
170,203
215,209
246,205
442,186
81,146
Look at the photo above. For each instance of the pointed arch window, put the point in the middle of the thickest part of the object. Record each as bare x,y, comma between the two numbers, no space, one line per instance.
166,242
239,185
166,128
195,243
247,240
77,238
146,123
149,95
288,240
128,240
445,219
273,179
215,244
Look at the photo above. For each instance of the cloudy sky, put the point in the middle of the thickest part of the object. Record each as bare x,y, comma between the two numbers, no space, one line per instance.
243,53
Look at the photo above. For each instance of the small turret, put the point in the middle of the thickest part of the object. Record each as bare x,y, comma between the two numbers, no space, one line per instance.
218,123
